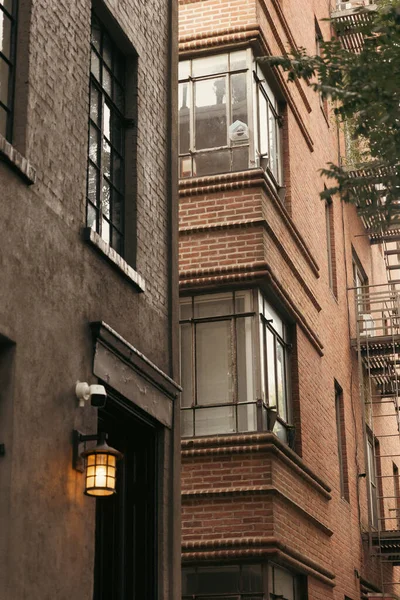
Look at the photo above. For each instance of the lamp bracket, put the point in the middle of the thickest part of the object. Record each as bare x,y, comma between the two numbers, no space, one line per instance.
79,438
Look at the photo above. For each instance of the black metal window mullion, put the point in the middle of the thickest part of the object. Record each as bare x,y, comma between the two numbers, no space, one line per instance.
8,106
109,102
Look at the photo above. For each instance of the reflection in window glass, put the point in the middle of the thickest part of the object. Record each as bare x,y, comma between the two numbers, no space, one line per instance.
210,113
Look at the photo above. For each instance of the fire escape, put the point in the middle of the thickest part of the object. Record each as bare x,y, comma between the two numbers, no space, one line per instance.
377,343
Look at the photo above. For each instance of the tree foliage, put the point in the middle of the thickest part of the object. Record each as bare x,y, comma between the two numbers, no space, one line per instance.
364,86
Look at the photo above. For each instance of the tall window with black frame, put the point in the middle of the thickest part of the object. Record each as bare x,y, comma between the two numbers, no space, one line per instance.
235,365
105,181
8,26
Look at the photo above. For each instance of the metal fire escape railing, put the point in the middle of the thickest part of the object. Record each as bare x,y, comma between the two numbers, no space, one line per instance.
378,346
349,18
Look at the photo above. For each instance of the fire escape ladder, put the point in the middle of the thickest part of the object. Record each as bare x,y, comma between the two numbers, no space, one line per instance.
378,347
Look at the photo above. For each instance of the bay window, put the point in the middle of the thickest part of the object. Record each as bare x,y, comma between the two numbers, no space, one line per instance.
240,582
228,117
234,361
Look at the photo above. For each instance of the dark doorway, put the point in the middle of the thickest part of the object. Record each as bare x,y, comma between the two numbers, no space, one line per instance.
126,549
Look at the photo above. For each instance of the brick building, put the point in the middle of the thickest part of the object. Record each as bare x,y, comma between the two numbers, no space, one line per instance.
88,253
289,329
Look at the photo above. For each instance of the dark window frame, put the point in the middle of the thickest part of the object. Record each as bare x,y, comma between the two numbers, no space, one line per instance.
11,63
330,244
341,442
261,327
109,222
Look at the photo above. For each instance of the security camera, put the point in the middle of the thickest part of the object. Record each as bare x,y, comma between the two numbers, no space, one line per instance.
95,393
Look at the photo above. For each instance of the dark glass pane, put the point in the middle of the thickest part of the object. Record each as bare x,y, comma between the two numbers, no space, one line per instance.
91,216
186,364
3,122
270,341
184,118
211,163
188,580
95,65
281,381
239,97
252,578
107,84
106,159
94,144
263,125
119,67
95,104
95,34
105,198
93,184
117,210
214,364
5,35
118,172
4,78
187,423
240,158
184,69
218,580
105,231
117,133
210,113
185,166
118,96
107,50
116,242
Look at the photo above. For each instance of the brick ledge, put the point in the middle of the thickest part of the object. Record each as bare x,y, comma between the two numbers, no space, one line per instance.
114,258
254,442
16,161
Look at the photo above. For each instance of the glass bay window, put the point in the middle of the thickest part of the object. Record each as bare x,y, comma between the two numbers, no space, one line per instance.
234,365
228,117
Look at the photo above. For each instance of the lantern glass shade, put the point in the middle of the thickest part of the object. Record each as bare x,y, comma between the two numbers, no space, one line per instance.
101,470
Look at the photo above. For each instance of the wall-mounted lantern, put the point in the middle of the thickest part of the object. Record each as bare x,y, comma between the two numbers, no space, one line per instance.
99,464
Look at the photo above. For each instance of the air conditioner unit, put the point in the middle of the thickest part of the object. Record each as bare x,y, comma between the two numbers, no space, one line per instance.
368,324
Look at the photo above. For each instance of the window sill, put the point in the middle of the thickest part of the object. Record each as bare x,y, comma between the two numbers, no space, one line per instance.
114,258
16,161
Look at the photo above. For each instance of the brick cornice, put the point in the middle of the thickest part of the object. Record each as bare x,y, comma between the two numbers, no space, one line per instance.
254,442
266,490
254,547
242,180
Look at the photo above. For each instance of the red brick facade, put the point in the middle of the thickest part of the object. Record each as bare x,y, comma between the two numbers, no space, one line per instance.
247,496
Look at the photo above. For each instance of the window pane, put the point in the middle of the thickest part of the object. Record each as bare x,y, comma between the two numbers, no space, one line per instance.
211,421
214,368
95,34
106,159
245,360
211,163
185,309
272,143
117,210
105,198
186,364
240,158
105,231
3,122
189,579
271,368
95,65
118,171
263,124
91,217
283,583
117,133
238,60
184,118
94,144
280,366
239,97
187,423
107,85
185,167
95,105
211,306
247,417
118,96
5,34
116,241
218,580
210,65
252,578
107,121
107,50
280,431
93,184
210,113
4,78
